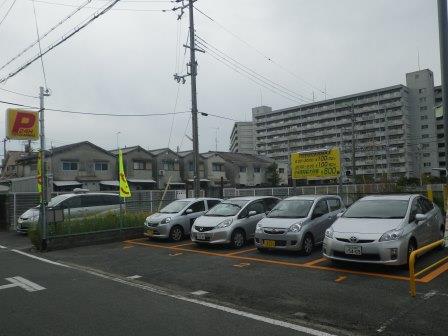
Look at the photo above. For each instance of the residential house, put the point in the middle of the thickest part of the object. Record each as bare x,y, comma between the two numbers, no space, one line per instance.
167,168
215,169
9,167
138,164
78,165
187,169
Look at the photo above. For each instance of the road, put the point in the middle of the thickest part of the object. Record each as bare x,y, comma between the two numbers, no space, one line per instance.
77,301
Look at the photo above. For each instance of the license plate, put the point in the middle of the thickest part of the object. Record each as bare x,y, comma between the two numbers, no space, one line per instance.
200,236
356,250
269,243
150,232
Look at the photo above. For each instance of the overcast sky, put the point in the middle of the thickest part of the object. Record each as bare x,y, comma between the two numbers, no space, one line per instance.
124,62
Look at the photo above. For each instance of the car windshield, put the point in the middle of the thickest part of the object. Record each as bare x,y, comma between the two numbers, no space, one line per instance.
56,200
226,209
175,207
377,209
291,209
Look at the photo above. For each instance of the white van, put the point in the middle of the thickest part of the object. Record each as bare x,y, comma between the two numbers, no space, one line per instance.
74,206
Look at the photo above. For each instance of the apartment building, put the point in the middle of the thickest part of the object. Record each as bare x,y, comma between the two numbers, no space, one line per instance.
383,128
439,127
242,138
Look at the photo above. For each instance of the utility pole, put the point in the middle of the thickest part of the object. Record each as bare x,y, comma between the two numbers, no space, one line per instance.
43,218
194,102
193,73
443,41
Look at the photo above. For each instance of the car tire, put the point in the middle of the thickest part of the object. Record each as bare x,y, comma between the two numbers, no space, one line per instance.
261,250
308,244
238,239
412,246
198,244
176,233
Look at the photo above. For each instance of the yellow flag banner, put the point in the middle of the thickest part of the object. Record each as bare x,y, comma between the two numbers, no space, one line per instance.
124,187
39,171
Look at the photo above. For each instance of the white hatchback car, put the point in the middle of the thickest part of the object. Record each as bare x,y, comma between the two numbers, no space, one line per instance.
384,229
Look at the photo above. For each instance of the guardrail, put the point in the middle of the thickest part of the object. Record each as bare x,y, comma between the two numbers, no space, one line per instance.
414,255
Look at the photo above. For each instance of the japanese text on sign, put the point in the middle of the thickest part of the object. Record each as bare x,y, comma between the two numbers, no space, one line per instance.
323,164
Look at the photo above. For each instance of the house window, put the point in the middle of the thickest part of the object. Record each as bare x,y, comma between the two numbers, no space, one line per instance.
69,165
190,166
425,136
101,166
422,100
257,169
425,146
426,154
168,165
424,126
281,170
439,126
422,91
423,108
141,165
427,164
242,169
423,117
217,167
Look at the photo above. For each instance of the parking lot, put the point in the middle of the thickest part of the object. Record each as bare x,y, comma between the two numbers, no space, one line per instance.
341,298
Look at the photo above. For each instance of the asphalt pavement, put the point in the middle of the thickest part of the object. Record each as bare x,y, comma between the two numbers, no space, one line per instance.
50,299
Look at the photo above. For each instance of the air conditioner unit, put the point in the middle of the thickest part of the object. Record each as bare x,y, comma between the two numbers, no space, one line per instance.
161,172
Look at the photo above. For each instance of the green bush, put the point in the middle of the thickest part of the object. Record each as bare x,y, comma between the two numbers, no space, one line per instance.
110,221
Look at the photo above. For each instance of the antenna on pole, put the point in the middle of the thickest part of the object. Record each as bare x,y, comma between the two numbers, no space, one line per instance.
418,59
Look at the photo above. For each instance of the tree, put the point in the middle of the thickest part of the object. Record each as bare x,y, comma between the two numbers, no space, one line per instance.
272,174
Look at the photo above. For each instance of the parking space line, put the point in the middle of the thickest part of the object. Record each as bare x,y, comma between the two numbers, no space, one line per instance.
185,244
434,274
430,276
241,265
341,278
441,261
127,247
240,252
314,262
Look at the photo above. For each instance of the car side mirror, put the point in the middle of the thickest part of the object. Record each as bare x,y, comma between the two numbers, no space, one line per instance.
189,211
251,213
420,217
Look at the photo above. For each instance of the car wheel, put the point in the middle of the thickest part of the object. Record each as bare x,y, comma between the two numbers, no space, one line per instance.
261,250
412,246
238,238
176,233
307,244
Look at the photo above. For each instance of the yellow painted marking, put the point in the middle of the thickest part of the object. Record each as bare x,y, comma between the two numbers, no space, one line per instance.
341,278
174,254
127,247
283,263
185,244
441,261
314,262
243,251
431,276
241,265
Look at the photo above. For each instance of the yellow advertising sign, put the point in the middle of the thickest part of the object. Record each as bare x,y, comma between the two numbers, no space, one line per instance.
22,124
323,164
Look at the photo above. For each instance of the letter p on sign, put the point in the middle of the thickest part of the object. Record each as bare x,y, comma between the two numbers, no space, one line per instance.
22,124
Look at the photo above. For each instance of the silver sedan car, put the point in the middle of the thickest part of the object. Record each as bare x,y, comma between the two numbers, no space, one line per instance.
233,221
384,229
298,223
175,220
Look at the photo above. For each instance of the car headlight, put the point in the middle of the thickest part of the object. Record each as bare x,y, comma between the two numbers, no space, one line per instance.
391,235
224,224
295,227
329,232
259,227
165,220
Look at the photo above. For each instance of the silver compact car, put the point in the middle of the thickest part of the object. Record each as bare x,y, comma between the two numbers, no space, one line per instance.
175,220
298,223
233,221
384,229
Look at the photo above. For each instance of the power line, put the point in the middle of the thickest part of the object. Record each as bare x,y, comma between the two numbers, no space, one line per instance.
252,77
19,93
95,16
7,12
269,59
115,9
40,47
47,33
202,42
